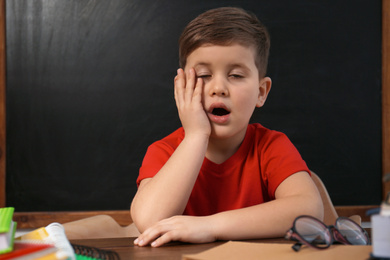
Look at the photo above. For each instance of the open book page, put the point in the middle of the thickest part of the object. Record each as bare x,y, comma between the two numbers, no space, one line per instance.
52,234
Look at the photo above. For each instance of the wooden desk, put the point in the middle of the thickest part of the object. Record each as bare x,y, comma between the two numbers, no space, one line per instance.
175,250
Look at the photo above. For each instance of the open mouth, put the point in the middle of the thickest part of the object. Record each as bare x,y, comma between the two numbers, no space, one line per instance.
219,111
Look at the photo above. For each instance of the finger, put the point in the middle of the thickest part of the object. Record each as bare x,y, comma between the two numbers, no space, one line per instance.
137,241
144,239
151,234
197,95
180,81
190,84
164,239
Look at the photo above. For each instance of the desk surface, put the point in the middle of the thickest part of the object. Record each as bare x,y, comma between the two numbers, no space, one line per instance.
175,250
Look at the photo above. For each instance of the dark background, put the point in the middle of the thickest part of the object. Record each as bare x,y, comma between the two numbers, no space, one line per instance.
89,87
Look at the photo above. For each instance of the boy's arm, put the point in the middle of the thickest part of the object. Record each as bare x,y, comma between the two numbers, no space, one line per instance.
297,195
167,193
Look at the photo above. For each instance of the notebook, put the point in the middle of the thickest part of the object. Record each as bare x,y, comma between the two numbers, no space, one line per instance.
90,253
7,229
27,251
55,234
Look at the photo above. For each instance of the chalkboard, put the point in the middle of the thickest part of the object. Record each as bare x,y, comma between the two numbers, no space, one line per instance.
89,87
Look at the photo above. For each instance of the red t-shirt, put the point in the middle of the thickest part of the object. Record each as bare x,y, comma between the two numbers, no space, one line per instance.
249,177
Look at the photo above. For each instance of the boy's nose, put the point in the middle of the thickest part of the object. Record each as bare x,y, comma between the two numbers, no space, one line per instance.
218,87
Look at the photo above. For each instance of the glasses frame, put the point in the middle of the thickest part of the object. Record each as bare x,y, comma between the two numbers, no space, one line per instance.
332,233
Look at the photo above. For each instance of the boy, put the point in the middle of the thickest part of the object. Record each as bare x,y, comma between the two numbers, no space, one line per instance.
218,177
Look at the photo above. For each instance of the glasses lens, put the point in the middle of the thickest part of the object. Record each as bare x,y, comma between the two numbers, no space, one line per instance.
351,231
313,231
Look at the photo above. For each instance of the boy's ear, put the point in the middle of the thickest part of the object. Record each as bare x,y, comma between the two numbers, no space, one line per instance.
264,88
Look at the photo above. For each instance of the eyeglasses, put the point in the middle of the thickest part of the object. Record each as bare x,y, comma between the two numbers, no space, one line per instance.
314,233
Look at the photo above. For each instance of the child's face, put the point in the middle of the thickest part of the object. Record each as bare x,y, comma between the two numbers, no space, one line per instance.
232,87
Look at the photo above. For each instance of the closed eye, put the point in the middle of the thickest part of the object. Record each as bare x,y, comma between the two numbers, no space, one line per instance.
204,76
237,76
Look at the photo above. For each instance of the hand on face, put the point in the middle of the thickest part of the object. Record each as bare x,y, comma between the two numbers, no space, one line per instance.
178,228
188,96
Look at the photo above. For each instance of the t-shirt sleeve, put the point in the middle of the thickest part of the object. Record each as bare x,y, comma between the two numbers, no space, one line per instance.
280,160
156,156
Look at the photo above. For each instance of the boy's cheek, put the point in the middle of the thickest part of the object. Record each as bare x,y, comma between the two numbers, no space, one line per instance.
204,103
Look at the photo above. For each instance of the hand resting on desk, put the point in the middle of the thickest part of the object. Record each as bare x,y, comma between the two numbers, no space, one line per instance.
178,228
267,220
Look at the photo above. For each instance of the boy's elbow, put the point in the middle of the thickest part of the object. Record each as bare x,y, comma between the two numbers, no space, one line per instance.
312,206
139,220
143,218
316,208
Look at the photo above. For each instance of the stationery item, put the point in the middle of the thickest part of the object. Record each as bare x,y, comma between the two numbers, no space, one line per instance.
7,229
385,206
26,251
248,251
90,253
380,236
381,230
52,234
55,234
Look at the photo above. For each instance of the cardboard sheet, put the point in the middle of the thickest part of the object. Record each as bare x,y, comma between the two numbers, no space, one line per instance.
247,250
